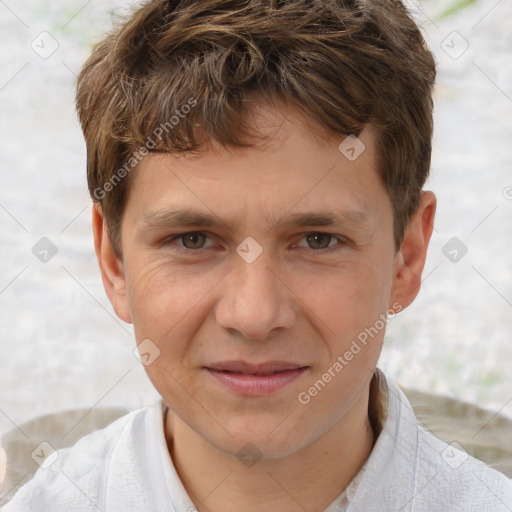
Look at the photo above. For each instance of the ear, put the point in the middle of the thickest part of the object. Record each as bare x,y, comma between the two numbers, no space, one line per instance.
111,266
410,260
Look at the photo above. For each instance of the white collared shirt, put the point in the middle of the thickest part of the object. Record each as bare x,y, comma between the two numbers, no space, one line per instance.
126,467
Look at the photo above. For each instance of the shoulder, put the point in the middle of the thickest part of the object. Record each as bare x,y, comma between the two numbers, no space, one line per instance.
451,476
412,470
75,478
444,476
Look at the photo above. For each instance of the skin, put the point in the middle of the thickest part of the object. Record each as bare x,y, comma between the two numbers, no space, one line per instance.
297,302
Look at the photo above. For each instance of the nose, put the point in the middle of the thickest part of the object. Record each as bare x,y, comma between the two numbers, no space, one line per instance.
255,303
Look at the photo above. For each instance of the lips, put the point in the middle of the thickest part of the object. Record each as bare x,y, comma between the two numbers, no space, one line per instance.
251,379
261,369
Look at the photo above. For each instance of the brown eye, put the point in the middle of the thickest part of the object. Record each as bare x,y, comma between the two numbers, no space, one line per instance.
319,240
193,240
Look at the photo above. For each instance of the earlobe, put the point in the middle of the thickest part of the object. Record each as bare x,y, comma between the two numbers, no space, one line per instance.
410,260
111,266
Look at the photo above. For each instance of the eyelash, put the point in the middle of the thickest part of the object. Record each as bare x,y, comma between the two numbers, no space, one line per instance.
180,248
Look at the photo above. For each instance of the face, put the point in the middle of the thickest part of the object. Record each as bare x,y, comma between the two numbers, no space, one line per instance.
255,273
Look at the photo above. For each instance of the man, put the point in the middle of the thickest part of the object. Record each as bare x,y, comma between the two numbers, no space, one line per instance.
257,170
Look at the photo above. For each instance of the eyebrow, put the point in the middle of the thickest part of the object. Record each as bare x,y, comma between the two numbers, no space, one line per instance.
171,217
356,221
327,218
174,217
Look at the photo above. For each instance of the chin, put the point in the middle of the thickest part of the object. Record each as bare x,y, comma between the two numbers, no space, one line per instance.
264,439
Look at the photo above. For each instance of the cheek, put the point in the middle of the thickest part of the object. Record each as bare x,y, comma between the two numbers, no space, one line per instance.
347,300
158,296
164,305
352,309
169,304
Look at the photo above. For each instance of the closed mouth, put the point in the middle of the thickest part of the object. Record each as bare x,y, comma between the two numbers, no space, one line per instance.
256,369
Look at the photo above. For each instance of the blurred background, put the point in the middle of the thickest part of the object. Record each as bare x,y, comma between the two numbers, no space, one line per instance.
61,345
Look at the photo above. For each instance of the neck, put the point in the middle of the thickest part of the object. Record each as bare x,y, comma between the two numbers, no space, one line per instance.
310,479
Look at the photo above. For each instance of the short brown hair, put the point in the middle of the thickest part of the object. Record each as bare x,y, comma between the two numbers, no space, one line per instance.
344,63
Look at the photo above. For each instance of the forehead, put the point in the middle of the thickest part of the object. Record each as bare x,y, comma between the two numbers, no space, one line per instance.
296,168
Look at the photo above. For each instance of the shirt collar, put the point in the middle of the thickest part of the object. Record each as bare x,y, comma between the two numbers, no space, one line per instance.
389,472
